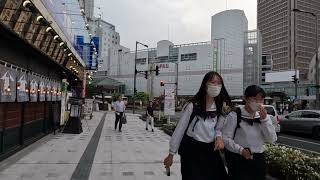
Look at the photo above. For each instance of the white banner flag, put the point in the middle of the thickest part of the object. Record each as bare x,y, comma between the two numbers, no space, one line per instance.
169,102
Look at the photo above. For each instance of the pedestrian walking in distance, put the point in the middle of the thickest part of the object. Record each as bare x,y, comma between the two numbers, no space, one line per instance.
150,116
198,137
244,134
119,107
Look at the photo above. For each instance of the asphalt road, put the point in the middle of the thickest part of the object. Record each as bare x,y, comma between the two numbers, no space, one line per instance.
301,142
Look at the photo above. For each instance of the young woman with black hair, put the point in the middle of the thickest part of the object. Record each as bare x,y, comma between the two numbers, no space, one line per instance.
244,134
197,137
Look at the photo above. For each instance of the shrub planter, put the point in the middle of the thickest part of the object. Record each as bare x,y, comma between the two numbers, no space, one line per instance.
286,163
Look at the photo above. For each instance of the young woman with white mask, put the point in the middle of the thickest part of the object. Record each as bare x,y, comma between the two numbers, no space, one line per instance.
197,137
245,132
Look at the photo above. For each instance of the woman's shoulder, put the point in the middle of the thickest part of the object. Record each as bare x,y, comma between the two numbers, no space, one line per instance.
188,105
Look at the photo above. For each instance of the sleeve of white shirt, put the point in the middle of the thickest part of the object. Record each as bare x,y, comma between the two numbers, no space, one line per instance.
268,130
228,132
219,126
124,106
180,129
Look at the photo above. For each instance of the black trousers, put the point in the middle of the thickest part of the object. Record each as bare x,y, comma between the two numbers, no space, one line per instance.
242,169
118,120
199,161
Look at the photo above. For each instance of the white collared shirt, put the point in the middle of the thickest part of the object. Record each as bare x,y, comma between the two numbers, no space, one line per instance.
119,106
204,131
247,136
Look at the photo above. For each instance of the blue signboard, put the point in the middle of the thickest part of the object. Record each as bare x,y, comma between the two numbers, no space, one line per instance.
87,52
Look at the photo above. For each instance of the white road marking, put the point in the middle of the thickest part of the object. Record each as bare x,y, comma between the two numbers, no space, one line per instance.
285,137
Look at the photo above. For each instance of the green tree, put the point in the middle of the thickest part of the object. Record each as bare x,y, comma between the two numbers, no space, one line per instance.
115,96
144,97
90,90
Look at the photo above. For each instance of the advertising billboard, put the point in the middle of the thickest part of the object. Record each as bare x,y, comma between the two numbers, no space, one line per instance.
284,76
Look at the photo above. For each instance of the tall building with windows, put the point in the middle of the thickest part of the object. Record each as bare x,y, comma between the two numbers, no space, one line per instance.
288,35
227,33
266,67
252,58
89,8
108,38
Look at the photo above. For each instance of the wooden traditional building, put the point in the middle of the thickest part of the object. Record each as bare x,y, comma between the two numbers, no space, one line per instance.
35,56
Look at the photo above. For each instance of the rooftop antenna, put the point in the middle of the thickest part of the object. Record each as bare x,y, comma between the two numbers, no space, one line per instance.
168,32
226,4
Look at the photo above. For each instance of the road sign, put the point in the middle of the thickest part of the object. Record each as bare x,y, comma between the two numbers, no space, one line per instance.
169,102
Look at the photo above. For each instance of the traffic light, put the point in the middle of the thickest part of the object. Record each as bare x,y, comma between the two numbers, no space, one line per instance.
146,74
161,83
294,79
157,70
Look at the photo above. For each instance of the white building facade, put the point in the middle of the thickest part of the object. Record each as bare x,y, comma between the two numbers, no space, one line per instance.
227,33
108,38
191,61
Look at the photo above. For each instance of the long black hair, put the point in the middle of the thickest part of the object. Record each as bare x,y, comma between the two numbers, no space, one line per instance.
199,99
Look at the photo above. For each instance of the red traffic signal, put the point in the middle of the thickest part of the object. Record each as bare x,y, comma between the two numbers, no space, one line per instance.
161,83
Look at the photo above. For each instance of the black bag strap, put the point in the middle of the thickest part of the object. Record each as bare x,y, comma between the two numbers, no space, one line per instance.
193,114
238,111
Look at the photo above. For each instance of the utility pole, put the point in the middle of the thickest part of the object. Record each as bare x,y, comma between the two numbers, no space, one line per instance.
135,78
317,78
135,75
177,78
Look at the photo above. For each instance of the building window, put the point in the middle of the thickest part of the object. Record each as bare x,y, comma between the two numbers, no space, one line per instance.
264,60
163,59
141,60
189,57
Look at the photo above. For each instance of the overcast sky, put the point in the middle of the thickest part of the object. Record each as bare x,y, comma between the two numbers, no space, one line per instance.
147,21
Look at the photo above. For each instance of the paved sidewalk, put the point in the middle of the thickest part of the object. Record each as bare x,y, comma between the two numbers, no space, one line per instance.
101,153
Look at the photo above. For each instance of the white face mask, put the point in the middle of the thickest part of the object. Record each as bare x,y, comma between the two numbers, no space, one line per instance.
214,90
254,106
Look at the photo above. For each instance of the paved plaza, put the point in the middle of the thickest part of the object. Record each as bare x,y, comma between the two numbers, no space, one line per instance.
99,152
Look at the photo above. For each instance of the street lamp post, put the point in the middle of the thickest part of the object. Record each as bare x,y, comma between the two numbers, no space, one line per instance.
135,75
317,53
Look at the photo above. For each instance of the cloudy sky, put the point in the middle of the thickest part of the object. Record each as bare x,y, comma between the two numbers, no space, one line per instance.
148,21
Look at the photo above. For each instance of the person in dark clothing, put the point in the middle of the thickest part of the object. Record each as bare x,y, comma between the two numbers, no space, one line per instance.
119,107
150,116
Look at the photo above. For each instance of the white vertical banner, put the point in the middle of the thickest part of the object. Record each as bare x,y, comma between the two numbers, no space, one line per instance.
48,90
58,91
34,86
42,88
54,91
169,102
7,84
22,87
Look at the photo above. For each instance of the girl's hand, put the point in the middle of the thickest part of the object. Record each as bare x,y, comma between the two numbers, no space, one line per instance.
263,113
168,161
246,154
218,145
